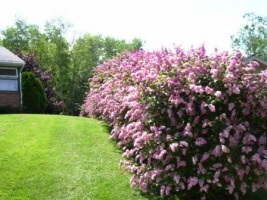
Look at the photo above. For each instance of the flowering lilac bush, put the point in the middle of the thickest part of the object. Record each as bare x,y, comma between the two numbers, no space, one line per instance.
187,122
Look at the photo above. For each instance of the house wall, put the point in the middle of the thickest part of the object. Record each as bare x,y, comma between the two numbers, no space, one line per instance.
10,99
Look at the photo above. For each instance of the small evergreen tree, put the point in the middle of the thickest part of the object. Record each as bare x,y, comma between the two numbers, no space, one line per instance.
33,95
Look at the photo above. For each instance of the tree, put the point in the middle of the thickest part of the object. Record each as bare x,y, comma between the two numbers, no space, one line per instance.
113,47
85,54
252,38
16,38
70,64
26,38
33,95
59,58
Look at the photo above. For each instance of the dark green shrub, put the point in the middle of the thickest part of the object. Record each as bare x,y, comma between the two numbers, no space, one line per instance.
53,105
33,95
9,109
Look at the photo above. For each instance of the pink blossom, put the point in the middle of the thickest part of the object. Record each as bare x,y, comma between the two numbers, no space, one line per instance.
194,160
256,158
262,140
230,188
187,130
192,76
162,153
211,107
226,132
198,89
264,164
255,187
225,149
202,107
196,120
218,94
231,106
183,144
201,182
243,188
236,89
240,173
217,151
167,190
162,190
208,90
192,181
246,149
181,164
176,178
216,176
214,72
184,151
243,159
204,188
200,141
174,146
204,157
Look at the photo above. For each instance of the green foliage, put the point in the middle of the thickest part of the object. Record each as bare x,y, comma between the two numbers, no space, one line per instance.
71,64
33,95
59,58
31,65
16,38
113,47
252,38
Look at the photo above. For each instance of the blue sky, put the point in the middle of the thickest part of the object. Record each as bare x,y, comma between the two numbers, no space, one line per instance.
159,23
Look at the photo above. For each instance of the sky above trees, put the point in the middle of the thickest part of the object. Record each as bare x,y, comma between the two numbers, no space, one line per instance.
159,23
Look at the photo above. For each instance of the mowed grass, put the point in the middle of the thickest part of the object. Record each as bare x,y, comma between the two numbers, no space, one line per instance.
59,157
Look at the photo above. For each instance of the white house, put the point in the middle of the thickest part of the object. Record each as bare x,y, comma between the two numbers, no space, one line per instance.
10,78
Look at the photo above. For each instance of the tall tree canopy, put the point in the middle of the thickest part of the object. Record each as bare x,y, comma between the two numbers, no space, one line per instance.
252,37
70,63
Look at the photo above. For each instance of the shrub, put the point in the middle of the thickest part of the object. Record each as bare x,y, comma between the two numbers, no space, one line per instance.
45,76
190,125
9,109
33,95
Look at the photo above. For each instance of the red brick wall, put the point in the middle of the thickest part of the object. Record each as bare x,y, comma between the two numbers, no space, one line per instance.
10,99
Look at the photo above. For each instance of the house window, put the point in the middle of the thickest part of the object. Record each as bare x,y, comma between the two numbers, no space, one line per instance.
8,85
8,79
8,72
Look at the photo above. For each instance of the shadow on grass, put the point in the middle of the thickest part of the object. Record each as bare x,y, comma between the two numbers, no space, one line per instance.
258,195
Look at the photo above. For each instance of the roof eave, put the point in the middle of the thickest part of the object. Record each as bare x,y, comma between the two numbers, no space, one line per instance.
11,64
259,60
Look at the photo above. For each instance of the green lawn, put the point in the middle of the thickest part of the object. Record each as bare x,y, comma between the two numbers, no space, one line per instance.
59,157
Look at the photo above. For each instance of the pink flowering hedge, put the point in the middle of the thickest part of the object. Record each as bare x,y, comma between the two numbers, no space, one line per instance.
190,125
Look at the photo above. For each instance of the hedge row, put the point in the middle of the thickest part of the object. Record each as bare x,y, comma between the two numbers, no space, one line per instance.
190,125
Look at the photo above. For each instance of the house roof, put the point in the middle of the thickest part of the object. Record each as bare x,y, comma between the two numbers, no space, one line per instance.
262,63
7,58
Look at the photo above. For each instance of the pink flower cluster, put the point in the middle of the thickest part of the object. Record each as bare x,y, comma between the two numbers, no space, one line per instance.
187,122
